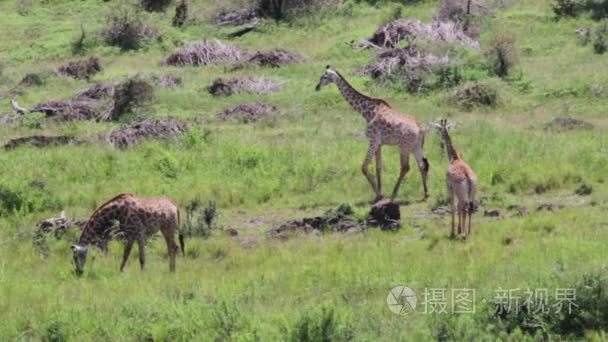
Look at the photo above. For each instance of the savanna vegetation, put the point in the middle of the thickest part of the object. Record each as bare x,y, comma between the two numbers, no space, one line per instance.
524,83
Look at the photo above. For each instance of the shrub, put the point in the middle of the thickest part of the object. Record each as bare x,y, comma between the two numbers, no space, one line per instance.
129,95
566,8
502,54
200,221
475,94
573,8
584,190
78,44
181,13
321,326
281,9
155,5
126,30
600,40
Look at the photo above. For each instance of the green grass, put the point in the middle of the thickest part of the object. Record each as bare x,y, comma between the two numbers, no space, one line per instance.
298,163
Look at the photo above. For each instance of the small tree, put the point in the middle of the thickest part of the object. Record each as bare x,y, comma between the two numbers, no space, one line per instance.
155,5
600,41
566,8
502,54
181,13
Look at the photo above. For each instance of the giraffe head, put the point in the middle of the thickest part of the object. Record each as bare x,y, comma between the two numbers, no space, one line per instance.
329,76
443,126
80,257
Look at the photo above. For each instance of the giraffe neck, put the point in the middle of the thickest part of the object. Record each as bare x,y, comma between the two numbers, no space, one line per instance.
361,103
97,228
452,154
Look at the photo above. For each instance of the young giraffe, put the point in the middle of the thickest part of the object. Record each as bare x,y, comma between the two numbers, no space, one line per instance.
137,218
461,183
385,126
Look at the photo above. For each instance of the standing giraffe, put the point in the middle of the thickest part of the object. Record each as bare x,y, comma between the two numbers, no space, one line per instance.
134,218
385,126
461,182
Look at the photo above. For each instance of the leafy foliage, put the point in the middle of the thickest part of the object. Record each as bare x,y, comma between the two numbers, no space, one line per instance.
502,56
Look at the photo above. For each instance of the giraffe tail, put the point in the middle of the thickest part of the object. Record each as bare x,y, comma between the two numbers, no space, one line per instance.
470,204
181,236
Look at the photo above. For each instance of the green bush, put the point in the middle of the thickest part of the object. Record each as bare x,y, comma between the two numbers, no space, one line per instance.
566,8
502,54
320,326
200,221
600,39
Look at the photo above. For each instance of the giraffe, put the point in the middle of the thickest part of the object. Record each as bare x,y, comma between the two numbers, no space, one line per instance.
385,126
134,218
461,182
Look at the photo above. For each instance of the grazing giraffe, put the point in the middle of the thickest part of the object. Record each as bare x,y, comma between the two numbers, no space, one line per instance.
134,218
461,182
385,126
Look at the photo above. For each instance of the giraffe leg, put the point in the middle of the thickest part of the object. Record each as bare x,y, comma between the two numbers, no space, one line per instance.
470,212
423,166
453,204
379,172
171,249
142,252
373,147
127,252
405,167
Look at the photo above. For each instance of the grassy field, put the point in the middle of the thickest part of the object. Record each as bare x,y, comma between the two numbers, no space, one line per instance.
301,162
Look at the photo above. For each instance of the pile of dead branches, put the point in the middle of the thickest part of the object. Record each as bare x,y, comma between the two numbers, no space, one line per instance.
205,53
405,59
100,101
67,110
340,219
135,133
82,69
247,112
237,17
389,35
41,141
275,58
253,85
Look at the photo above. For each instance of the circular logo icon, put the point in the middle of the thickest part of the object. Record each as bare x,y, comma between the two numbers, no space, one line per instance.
401,300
